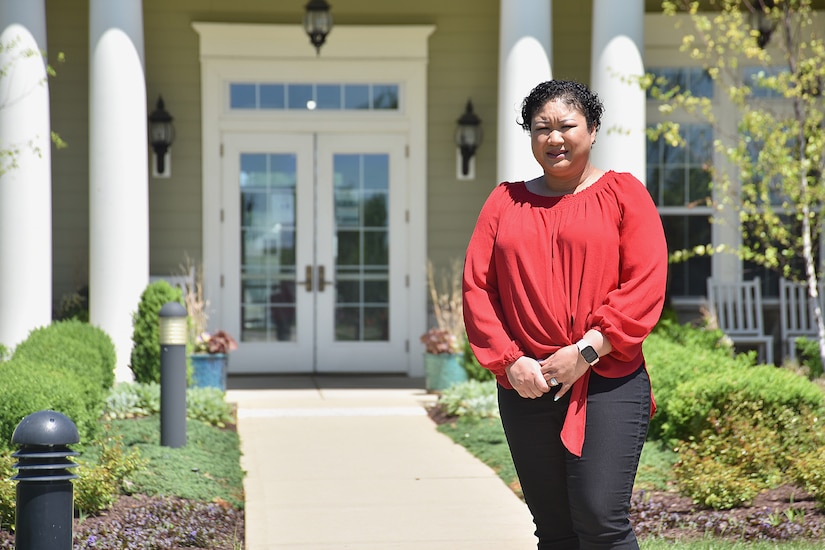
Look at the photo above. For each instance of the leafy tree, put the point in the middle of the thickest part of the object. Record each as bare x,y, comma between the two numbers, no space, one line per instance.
767,61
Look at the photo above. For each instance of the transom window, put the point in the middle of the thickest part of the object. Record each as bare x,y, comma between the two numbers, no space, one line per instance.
264,96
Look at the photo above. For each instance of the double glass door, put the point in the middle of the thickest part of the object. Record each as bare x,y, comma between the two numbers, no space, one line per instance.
313,240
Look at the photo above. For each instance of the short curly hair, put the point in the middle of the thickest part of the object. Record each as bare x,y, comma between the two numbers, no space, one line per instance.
571,92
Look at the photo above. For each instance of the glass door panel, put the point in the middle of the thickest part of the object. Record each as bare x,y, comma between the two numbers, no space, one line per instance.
268,273
268,235
364,245
361,190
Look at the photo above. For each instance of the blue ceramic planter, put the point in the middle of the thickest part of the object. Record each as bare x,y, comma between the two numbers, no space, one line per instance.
209,370
443,370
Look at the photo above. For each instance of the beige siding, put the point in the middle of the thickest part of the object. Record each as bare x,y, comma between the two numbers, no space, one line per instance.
572,32
463,65
173,72
68,34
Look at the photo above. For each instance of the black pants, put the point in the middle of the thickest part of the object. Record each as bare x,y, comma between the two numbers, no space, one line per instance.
580,503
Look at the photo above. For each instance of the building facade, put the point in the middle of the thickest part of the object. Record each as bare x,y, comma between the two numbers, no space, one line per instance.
311,186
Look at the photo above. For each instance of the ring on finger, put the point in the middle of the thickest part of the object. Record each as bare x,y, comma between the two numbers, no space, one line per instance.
554,382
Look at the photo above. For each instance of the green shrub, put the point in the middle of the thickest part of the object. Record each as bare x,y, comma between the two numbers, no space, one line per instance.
809,472
809,355
74,306
737,426
693,336
28,387
473,398
680,353
773,390
145,360
134,400
79,347
745,449
208,406
8,490
714,485
103,474
474,369
125,401
741,431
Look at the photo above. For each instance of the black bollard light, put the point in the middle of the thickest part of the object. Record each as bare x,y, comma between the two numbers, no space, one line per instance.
173,375
45,497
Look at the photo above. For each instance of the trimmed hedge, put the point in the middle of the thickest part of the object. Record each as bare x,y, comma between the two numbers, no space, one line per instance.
750,439
80,347
676,354
67,367
771,390
28,386
738,427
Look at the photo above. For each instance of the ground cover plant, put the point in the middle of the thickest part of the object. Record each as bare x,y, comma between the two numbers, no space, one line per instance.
736,451
133,493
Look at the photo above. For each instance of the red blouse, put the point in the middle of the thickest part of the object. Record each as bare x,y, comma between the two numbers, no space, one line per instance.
541,271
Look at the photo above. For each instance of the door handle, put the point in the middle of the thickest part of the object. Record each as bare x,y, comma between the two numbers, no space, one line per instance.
322,279
308,279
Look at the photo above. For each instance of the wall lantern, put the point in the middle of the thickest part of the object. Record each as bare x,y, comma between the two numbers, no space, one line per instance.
468,136
161,136
317,23
762,21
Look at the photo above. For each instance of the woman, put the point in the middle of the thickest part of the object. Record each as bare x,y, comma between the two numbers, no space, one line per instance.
564,278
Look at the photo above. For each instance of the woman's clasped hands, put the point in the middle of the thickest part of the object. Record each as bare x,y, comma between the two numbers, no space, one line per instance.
532,378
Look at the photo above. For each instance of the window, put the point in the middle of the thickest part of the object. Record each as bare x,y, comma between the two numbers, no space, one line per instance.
693,79
306,96
679,182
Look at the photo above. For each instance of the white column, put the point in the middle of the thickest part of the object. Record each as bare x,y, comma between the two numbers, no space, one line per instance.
118,172
618,40
25,176
524,61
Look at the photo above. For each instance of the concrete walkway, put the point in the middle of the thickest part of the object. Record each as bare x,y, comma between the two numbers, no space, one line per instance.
350,462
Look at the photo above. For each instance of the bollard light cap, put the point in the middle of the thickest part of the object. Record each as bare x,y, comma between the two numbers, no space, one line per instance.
172,309
46,428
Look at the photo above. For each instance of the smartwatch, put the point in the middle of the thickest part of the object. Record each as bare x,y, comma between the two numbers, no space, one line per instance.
588,352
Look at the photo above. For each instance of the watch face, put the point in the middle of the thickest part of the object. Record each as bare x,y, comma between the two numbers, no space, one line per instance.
590,354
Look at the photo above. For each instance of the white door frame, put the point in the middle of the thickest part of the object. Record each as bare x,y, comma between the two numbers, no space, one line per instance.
314,347
232,52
